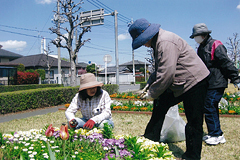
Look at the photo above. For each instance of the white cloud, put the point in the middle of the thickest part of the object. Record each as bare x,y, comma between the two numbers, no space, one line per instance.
238,7
10,44
124,36
45,1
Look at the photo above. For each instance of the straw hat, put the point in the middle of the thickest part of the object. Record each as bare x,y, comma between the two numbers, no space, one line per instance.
88,80
142,31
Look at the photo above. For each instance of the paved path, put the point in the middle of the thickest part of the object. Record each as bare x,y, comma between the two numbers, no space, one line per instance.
128,88
28,113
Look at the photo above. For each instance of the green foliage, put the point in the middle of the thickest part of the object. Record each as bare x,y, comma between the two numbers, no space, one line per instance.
21,67
91,68
35,98
107,131
142,84
12,88
111,88
41,73
30,70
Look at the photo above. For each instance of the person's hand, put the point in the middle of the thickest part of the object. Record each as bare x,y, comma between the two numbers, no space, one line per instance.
73,123
89,124
143,92
147,96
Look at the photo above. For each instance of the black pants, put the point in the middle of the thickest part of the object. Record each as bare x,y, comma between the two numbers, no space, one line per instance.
193,101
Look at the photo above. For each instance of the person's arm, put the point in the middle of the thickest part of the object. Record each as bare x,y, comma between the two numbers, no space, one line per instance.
166,61
227,66
72,109
105,108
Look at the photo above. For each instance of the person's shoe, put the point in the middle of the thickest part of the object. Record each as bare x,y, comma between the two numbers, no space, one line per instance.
215,140
206,137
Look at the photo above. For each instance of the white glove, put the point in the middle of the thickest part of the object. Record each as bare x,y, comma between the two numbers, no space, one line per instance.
144,92
147,96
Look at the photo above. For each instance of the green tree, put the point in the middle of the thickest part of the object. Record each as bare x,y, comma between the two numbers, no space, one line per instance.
91,68
21,67
41,73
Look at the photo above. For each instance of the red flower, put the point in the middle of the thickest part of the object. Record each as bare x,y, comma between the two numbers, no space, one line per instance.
64,132
49,131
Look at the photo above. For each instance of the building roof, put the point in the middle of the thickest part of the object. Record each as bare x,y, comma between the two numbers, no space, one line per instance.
40,60
113,69
136,62
7,54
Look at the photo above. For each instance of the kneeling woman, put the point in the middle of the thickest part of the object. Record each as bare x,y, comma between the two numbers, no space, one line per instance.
93,102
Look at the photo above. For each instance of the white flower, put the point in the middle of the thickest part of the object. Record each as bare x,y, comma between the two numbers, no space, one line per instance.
25,149
73,156
15,147
76,152
16,135
3,147
105,148
27,144
30,155
57,151
43,146
30,148
20,139
29,152
51,141
46,156
34,153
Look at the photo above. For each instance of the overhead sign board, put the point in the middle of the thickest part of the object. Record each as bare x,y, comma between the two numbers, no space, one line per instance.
92,18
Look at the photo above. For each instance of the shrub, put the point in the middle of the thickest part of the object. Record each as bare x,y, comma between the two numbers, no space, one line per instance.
27,77
142,84
111,88
41,73
21,67
36,98
11,88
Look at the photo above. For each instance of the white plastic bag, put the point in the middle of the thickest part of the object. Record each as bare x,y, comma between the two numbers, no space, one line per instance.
173,129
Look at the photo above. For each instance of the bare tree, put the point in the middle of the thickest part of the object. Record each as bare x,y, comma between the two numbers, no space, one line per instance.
66,21
151,60
233,49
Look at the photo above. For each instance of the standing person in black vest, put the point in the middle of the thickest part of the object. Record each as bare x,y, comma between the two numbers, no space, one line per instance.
180,75
214,54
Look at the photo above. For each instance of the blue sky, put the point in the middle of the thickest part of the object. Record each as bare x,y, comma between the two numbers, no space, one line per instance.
24,22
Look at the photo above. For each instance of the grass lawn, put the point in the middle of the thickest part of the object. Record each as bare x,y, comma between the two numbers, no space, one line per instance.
134,124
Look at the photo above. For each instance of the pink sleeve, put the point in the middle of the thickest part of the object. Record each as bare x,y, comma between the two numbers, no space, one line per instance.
214,46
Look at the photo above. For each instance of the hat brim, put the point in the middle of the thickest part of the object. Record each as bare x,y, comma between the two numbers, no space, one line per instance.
201,33
90,85
144,37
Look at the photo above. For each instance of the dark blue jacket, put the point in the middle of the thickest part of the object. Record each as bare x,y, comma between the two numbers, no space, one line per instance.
220,66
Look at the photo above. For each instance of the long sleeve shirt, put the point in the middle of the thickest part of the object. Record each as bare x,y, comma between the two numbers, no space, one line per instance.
96,108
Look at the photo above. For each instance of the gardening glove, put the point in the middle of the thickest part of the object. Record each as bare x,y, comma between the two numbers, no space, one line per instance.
73,123
147,96
89,124
144,92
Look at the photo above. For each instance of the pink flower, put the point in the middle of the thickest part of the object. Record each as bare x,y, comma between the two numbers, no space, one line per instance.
49,131
64,132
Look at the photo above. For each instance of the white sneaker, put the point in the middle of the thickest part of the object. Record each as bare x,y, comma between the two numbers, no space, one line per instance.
215,140
206,137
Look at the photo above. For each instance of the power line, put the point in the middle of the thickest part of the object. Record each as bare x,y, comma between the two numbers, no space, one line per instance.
23,28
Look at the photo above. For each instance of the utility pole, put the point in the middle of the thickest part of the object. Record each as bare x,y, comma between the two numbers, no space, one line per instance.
134,81
116,47
59,51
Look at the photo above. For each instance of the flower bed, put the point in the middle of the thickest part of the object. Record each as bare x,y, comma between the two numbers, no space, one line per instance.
79,144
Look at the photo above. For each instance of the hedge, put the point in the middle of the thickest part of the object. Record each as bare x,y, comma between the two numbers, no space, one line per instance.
142,84
12,88
36,98
111,88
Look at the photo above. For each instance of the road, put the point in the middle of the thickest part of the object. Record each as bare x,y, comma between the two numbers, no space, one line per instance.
128,88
